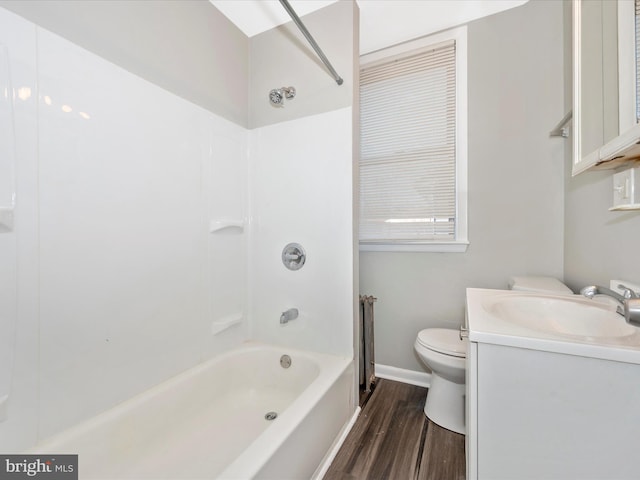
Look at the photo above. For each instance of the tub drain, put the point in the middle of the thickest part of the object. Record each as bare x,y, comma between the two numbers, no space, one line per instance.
271,416
285,361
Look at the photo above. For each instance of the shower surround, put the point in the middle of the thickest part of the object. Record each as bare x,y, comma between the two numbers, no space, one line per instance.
120,283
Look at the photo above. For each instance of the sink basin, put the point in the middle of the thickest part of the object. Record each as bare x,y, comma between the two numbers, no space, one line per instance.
574,317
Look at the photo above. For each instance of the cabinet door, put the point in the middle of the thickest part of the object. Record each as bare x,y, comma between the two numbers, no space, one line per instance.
547,415
596,83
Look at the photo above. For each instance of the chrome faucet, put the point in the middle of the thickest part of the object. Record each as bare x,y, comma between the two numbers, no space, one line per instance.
593,290
628,301
289,315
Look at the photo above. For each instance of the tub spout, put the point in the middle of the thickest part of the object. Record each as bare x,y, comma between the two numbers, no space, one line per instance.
289,315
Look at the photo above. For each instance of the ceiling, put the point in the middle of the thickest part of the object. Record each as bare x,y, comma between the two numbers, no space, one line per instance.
382,22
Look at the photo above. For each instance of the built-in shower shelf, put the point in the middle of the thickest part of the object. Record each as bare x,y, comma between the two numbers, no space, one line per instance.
219,225
223,323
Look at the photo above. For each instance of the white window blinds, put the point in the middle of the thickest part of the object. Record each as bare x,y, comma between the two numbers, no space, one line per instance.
408,154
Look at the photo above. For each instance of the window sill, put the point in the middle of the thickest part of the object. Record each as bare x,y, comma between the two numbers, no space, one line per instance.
431,247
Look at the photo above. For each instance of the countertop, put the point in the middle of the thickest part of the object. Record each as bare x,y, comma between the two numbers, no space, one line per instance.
485,327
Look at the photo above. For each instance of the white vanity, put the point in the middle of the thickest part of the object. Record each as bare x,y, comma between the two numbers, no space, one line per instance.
553,388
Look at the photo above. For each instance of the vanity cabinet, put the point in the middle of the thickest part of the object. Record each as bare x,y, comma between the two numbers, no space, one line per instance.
534,414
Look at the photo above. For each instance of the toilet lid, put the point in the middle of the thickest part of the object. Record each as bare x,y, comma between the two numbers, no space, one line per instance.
443,340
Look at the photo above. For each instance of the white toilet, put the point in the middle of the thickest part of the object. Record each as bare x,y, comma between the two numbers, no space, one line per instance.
444,352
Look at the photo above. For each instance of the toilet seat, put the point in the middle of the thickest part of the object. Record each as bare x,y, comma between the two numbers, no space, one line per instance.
443,340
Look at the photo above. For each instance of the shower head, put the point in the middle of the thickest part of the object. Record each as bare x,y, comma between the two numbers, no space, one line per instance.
278,95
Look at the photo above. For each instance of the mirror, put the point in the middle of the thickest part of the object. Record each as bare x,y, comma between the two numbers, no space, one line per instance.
604,76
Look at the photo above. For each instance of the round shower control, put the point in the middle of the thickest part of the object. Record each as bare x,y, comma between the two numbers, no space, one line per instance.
293,256
275,97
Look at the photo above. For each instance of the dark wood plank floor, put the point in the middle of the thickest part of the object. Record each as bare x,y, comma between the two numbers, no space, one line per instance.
392,439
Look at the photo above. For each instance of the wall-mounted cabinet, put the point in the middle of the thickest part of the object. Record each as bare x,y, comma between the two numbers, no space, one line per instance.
605,126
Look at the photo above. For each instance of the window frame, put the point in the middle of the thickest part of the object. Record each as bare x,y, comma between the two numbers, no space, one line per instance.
461,242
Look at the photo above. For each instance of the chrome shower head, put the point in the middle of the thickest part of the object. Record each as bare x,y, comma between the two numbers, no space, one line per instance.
278,95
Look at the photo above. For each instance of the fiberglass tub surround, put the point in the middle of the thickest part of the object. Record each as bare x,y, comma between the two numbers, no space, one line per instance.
158,228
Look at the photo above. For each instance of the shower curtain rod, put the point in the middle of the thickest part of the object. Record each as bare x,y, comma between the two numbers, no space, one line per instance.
310,39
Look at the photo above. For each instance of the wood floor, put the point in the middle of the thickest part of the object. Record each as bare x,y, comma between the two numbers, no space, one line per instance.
392,439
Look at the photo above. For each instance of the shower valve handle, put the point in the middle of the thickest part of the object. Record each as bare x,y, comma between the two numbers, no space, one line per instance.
293,256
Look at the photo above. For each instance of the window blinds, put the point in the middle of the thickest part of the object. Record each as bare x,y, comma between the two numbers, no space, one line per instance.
407,157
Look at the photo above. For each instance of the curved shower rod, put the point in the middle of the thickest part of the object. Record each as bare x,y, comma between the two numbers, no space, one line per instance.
310,39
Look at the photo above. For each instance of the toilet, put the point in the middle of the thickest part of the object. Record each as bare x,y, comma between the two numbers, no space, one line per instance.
444,352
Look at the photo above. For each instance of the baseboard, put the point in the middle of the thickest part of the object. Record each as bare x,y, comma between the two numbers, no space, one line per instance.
328,459
421,379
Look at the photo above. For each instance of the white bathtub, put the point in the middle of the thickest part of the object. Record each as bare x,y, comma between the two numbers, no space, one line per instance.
209,422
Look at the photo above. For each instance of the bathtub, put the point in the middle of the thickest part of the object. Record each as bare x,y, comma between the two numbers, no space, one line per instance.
209,422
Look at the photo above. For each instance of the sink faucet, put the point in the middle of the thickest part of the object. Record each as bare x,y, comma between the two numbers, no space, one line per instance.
593,290
628,301
289,315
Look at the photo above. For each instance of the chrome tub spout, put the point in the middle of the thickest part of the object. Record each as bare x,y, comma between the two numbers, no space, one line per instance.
289,315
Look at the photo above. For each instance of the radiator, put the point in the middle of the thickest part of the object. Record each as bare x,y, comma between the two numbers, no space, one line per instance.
367,357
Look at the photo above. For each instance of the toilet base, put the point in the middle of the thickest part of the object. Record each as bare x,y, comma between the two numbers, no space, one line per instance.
445,405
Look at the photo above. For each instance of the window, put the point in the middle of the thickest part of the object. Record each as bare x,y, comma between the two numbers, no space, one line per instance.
413,146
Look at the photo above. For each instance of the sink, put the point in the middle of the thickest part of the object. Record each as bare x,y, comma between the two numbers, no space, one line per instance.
573,317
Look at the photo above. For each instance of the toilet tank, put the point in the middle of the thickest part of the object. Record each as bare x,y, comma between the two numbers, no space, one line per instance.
547,285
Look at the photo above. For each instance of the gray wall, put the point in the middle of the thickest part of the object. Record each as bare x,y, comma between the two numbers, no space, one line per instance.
282,57
599,245
516,96
186,47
